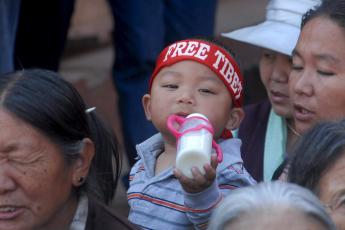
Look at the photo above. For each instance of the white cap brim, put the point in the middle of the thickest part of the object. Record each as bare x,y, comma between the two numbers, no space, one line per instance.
279,37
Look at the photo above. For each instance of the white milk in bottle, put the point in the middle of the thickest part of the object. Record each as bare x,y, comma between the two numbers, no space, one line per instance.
194,146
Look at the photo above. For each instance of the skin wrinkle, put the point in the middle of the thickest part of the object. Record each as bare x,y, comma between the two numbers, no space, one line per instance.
33,177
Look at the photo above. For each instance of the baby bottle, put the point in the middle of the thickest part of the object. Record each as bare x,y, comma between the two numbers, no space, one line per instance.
194,142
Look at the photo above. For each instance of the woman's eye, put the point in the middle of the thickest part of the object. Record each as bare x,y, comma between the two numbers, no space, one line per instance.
8,149
325,73
296,67
25,158
269,56
290,60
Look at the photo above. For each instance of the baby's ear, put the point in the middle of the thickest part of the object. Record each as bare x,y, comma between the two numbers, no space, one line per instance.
146,101
235,118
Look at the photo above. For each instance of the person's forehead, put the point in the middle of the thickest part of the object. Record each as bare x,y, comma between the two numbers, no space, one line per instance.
321,36
332,182
11,123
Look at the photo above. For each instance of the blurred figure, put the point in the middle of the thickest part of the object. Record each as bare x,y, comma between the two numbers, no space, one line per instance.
271,205
143,29
42,32
319,165
9,11
267,131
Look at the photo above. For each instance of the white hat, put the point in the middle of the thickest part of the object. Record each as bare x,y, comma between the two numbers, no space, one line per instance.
280,30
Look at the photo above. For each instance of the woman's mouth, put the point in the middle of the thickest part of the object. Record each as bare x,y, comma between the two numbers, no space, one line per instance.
278,97
302,114
9,212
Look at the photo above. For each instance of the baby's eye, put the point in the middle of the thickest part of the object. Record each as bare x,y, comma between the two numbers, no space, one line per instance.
170,86
208,91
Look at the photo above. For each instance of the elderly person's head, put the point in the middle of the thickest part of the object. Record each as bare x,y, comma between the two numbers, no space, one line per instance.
319,165
317,79
272,205
52,151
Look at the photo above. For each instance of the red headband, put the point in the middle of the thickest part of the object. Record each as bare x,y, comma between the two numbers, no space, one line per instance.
209,54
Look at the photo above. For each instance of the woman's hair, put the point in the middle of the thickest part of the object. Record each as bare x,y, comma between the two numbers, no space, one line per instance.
268,196
315,152
333,9
53,106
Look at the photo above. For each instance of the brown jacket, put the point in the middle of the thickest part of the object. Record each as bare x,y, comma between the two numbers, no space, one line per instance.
101,217
252,132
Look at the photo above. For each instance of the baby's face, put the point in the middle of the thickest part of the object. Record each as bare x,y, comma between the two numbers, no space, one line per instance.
188,87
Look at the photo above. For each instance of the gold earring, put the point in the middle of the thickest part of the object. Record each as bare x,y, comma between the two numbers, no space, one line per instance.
81,180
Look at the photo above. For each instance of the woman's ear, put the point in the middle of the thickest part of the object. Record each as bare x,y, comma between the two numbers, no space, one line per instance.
146,101
235,118
83,163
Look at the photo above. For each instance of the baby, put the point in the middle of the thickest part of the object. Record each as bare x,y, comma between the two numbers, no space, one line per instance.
191,76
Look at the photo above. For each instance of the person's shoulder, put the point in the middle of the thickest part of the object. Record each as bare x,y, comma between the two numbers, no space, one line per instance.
231,149
101,217
256,117
231,169
151,144
262,106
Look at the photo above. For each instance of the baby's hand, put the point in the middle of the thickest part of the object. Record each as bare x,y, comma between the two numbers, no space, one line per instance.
199,182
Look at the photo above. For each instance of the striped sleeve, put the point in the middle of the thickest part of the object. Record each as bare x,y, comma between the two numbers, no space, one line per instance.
200,205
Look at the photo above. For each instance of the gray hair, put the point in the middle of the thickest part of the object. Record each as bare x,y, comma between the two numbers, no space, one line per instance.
265,196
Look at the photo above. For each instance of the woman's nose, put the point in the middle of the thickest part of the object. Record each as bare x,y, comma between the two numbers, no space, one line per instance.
281,71
303,84
7,183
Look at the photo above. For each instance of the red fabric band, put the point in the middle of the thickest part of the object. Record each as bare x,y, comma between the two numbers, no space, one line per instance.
209,54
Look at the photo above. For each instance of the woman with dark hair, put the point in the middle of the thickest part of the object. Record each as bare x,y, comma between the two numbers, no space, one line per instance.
317,83
316,87
317,79
59,164
319,165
